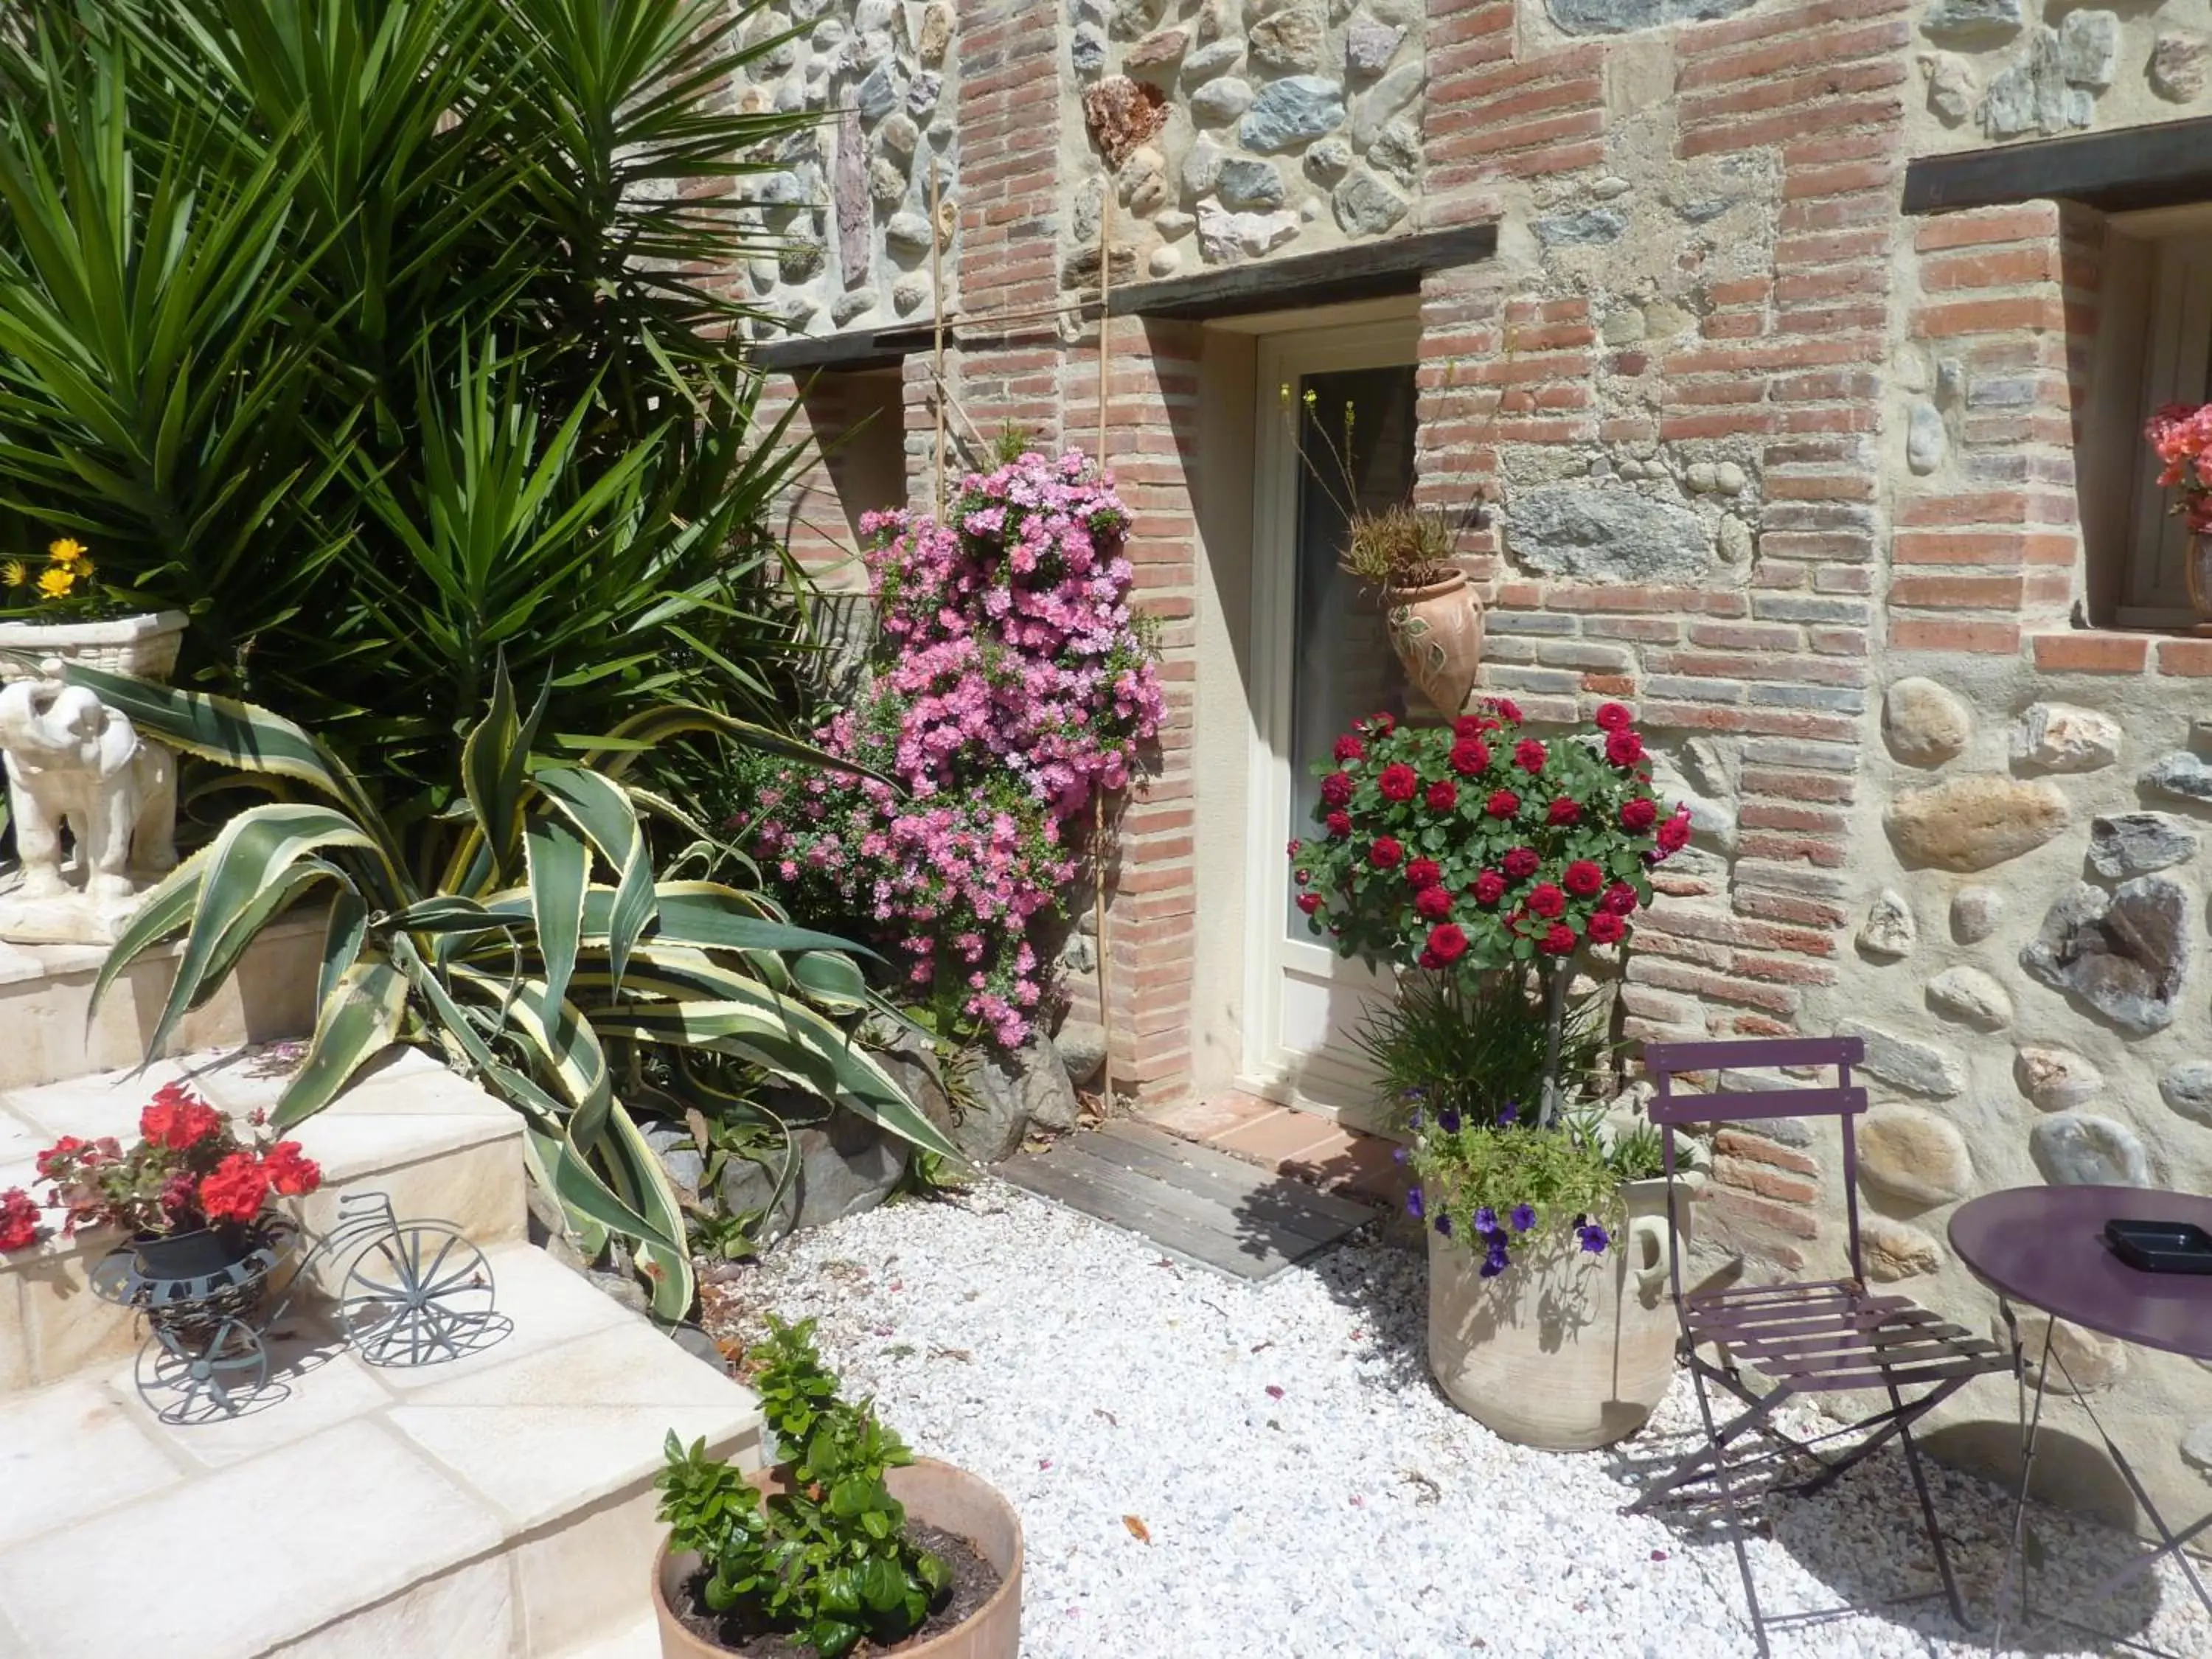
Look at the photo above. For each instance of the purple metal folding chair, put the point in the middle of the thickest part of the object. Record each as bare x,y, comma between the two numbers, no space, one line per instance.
1831,1337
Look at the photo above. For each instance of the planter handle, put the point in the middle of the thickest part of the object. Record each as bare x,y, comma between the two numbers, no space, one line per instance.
1650,1277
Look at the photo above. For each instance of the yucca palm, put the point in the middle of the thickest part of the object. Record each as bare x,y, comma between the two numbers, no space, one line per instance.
544,959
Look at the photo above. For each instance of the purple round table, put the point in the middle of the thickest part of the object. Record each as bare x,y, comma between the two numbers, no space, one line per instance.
2044,1247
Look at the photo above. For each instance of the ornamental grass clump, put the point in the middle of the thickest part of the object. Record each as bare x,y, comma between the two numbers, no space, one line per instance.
1011,680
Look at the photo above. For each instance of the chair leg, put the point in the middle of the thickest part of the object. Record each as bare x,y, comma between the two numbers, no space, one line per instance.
1719,1443
1928,1509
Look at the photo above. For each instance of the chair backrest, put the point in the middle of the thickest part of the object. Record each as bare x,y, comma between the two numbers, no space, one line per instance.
1843,1100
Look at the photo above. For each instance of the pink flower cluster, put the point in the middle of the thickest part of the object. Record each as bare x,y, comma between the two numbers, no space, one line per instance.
2181,434
1011,681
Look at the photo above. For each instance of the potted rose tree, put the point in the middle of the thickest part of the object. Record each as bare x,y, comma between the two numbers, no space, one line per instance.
1483,863
2181,435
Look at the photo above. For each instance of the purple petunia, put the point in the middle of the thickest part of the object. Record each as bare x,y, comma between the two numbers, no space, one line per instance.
1444,1224
1397,1154
1524,1216
1494,1261
1486,1220
1594,1238
1511,1112
1447,1120
1413,1202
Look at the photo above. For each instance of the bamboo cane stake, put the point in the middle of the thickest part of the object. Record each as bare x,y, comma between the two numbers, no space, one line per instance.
937,302
1098,798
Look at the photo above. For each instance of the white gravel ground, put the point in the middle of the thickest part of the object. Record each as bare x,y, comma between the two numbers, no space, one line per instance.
1210,1468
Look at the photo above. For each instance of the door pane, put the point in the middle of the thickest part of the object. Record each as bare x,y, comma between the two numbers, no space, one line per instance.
1342,666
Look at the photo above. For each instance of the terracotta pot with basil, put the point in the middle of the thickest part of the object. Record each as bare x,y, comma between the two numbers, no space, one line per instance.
849,1539
1403,554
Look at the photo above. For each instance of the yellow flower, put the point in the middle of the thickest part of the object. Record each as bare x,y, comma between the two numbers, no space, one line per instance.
67,550
13,575
82,570
55,583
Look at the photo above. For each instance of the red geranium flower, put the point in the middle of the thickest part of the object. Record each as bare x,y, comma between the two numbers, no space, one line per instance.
1558,941
19,1220
1336,789
68,1148
1607,928
1638,814
1563,811
1624,747
236,1189
1611,717
1502,803
1508,710
1338,824
1309,903
1349,748
1434,902
1528,755
1546,900
1488,888
1469,756
1521,863
1423,873
1398,781
1619,899
1447,944
1443,796
1674,834
292,1174
1583,878
178,1120
1385,853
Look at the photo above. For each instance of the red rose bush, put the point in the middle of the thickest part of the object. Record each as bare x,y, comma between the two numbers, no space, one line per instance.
189,1169
1469,847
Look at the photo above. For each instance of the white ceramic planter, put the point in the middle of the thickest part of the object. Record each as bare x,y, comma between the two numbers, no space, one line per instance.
1564,1351
144,648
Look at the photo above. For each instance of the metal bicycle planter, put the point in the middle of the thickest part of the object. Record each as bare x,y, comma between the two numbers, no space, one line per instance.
409,1293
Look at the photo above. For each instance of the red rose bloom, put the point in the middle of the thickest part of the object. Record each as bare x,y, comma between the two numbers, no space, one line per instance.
1292,850
1563,811
1674,834
1546,900
1502,804
1607,928
234,1191
1302,877
289,1172
1433,902
1508,710
1638,814
1558,941
1521,863
1349,748
1383,724
1472,725
1443,796
1398,781
1423,873
19,1220
1488,888
1583,878
1619,899
1385,853
1469,756
1447,944
1338,824
1309,903
1336,789
1611,717
1624,747
1428,959
1528,755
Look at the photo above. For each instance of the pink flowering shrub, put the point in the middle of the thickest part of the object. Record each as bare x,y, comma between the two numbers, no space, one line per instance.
1011,680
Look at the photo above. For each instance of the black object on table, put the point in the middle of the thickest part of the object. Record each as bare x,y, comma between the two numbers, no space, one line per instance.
2048,1248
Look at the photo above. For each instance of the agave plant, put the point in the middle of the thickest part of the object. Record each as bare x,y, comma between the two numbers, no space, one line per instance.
545,960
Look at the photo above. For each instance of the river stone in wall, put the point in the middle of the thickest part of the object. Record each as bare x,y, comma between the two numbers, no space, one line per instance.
1894,1251
2127,953
1972,823
1920,1068
2060,737
1911,1154
1925,722
2135,843
2082,1361
2180,774
2055,1079
1607,534
2079,1149
1971,998
1975,913
2187,1088
1888,930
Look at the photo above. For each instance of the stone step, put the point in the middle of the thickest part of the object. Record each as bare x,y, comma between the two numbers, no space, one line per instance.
496,1506
440,1147
639,1640
46,1004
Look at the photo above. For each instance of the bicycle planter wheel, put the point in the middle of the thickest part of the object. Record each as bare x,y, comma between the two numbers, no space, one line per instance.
188,1380
416,1295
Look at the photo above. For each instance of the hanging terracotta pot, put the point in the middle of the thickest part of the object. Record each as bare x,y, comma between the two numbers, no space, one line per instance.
2196,574
1437,631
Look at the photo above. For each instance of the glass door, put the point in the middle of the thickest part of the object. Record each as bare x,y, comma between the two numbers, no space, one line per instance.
1337,412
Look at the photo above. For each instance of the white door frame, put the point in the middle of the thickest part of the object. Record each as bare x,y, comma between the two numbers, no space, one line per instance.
1323,1083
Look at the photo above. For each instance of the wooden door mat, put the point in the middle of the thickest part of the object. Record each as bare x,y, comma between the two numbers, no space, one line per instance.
1192,1201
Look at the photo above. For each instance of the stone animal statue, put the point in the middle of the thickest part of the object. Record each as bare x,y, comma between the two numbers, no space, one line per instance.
73,761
